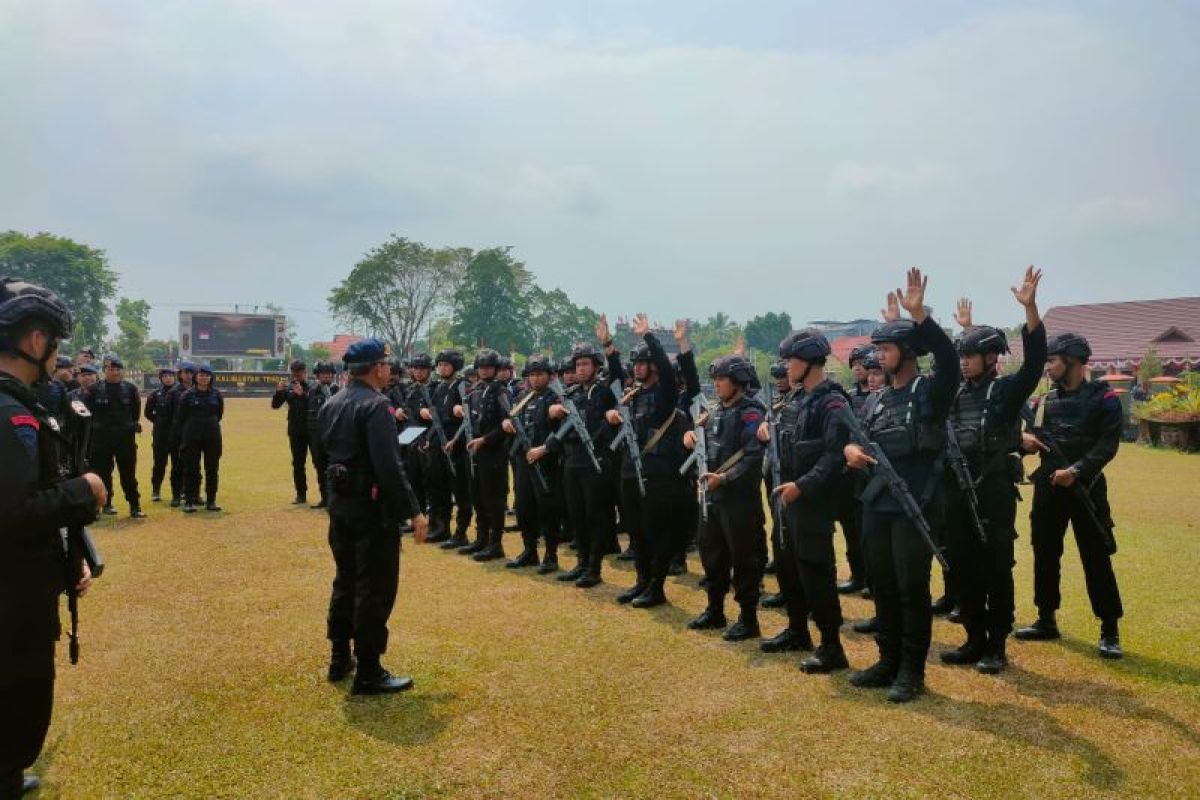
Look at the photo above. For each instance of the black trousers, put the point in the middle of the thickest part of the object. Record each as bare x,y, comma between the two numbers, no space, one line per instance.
984,572
176,466
539,513
849,517
899,562
734,539
25,707
448,492
810,566
320,460
366,555
202,443
163,452
1053,508
590,504
489,494
298,441
119,447
658,523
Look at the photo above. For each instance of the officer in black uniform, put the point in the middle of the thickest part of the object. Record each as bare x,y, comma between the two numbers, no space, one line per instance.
986,417
538,477
783,387
53,393
449,489
34,504
811,438
319,392
294,393
909,423
489,489
734,537
416,455
160,410
198,415
89,375
1084,417
370,498
657,521
186,382
116,410
590,499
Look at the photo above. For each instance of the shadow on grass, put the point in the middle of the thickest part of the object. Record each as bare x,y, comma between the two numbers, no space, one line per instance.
1024,726
1139,666
1055,691
409,718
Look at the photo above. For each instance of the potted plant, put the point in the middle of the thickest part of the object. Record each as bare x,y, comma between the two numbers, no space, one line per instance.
1172,418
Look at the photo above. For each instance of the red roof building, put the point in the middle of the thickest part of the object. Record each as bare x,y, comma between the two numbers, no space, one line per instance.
1122,333
844,345
337,348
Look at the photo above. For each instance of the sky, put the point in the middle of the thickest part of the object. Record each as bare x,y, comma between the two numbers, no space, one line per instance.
681,157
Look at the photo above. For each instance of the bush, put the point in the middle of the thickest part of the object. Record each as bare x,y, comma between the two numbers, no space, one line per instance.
1181,404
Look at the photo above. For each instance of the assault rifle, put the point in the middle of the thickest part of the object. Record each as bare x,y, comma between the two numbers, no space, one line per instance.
962,473
575,421
627,435
77,540
699,456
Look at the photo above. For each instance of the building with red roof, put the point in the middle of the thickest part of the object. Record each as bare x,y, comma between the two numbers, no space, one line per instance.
337,348
844,345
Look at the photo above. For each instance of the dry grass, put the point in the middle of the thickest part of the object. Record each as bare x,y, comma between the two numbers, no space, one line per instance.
204,651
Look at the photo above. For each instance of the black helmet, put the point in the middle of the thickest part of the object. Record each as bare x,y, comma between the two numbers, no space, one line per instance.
538,363
900,332
567,367
420,360
641,353
323,366
779,370
452,357
736,368
20,301
859,353
1069,344
871,360
487,357
587,351
982,339
506,362
470,372
808,345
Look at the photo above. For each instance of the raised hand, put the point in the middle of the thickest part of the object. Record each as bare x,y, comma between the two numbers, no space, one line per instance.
739,346
1026,294
963,315
892,312
602,332
641,325
912,297
681,330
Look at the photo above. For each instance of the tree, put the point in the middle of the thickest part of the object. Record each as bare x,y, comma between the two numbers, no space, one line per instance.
79,274
766,331
718,332
1150,367
396,288
319,351
557,324
491,305
162,350
133,322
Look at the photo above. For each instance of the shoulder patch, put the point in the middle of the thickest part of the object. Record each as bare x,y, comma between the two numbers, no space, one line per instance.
26,428
25,420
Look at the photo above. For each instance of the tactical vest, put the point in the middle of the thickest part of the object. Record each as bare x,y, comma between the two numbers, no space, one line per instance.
978,425
669,449
114,416
1065,417
723,430
858,399
534,416
203,408
895,423
485,409
800,447
318,395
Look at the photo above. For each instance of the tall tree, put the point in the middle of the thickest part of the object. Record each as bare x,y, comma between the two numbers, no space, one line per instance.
133,324
491,305
557,323
79,274
766,331
397,287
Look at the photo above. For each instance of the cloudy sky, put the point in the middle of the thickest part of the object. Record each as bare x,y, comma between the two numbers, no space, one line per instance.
679,157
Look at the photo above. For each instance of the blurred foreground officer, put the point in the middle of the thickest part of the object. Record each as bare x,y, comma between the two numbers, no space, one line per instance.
370,498
34,504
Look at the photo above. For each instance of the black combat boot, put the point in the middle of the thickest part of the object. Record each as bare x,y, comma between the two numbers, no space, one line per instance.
439,531
575,573
746,626
653,596
678,565
776,600
175,501
943,605
969,652
1043,630
549,564
880,674
868,625
828,657
490,553
372,678
189,506
1110,640
909,683
711,618
527,558
155,496
994,660
474,547
590,577
300,499
787,641
633,592
855,584
459,539
341,662
211,505
135,512
108,510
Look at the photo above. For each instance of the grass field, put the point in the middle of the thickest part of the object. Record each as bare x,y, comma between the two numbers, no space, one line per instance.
203,660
